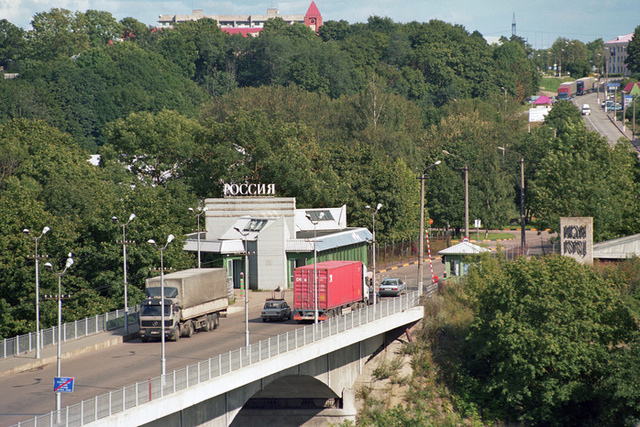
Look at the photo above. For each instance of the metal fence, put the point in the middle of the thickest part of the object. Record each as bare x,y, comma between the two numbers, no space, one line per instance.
131,396
70,331
392,252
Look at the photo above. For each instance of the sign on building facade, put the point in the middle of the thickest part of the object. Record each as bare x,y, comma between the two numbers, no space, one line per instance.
247,189
576,238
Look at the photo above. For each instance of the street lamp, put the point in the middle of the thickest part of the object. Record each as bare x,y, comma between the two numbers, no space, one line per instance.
421,243
315,262
124,251
624,110
606,75
68,264
198,215
466,192
246,285
523,239
373,218
615,102
36,238
633,123
163,359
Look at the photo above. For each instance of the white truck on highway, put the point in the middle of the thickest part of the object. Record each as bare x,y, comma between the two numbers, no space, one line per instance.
194,300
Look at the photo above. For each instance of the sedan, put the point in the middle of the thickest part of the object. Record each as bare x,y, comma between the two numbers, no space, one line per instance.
391,287
275,309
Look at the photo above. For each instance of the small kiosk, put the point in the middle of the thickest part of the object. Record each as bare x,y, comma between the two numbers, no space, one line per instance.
455,258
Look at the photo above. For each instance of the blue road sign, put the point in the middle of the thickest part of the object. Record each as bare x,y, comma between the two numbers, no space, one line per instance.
63,384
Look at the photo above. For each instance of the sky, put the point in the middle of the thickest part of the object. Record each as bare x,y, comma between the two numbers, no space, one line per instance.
540,22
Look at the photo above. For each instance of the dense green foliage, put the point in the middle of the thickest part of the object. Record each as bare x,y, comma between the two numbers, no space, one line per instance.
541,342
544,335
633,52
347,117
351,116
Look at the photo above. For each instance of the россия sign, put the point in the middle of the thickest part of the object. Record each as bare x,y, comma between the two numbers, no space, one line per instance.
247,189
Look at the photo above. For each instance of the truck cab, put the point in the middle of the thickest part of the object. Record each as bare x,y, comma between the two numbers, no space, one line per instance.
151,314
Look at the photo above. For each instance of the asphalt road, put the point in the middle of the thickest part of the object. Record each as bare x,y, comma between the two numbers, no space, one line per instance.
27,394
599,120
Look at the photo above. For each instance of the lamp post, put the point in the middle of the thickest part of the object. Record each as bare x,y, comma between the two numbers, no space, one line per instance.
163,359
633,123
599,75
523,238
624,110
68,264
615,102
560,67
124,251
198,215
315,263
421,242
246,285
606,75
26,231
373,218
466,192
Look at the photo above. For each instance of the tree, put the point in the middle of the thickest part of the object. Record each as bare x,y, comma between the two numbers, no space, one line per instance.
542,340
154,148
633,52
58,32
334,30
11,44
576,171
101,27
470,131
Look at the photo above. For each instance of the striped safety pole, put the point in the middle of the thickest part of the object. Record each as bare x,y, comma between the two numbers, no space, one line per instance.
426,232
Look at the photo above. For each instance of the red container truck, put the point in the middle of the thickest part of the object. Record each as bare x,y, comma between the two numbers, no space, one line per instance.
342,286
566,91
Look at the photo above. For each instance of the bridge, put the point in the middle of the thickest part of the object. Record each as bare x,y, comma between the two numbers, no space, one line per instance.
304,376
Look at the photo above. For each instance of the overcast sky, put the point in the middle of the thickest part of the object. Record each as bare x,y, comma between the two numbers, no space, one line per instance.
538,21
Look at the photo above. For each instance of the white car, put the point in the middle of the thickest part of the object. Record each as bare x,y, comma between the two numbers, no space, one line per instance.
391,287
586,110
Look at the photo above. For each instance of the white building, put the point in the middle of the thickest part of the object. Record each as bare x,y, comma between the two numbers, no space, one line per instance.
279,238
246,24
617,49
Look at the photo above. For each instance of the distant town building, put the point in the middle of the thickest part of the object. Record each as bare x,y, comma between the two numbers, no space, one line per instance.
246,24
617,54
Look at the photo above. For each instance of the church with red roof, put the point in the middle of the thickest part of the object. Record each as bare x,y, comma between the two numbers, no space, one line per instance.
247,25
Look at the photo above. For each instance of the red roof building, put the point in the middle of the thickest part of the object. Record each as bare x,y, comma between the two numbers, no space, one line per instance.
246,24
313,18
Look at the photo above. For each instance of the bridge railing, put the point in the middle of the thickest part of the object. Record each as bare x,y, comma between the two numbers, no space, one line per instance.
131,396
26,343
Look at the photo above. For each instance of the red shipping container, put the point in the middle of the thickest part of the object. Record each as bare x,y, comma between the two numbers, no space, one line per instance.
340,283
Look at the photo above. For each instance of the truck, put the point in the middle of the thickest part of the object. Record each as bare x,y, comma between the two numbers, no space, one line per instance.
585,85
194,300
342,286
566,91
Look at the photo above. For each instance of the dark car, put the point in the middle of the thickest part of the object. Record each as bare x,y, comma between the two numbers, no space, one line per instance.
391,287
275,309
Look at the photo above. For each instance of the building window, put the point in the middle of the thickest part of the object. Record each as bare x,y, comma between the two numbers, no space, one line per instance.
255,225
320,215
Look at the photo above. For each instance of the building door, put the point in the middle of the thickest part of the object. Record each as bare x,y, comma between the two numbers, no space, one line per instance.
238,267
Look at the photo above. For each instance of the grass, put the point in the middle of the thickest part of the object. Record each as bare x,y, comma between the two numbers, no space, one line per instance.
490,236
551,84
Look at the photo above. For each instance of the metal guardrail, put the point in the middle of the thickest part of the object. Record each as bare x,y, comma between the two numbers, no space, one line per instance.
26,343
140,393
